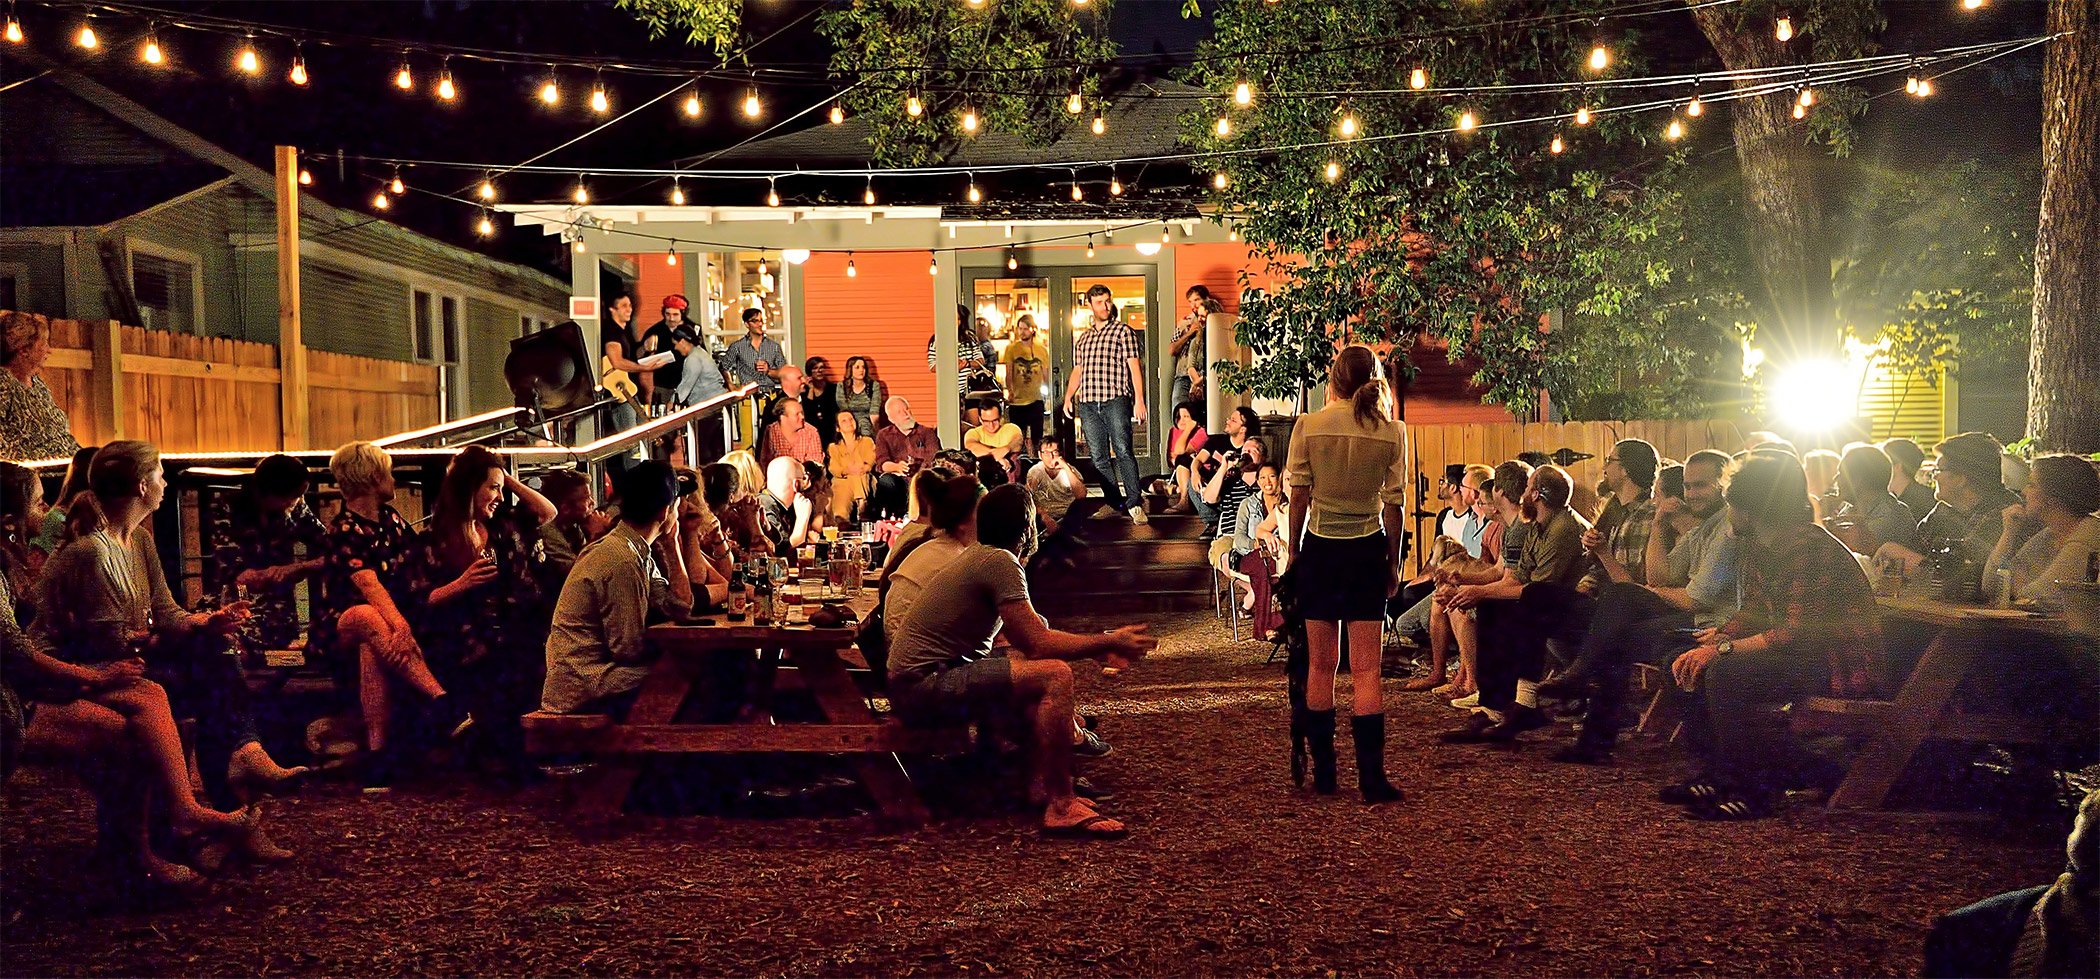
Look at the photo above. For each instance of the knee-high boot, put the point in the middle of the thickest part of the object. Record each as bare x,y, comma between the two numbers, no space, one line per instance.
1319,742
1369,732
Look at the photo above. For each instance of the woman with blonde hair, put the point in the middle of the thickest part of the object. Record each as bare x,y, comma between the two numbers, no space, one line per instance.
740,518
1347,471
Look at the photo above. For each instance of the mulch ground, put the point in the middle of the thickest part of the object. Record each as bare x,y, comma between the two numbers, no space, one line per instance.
1498,862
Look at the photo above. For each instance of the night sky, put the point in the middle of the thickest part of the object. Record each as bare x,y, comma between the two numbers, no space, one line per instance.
351,106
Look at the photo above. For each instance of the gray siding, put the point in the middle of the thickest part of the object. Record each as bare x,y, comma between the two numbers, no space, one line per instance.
198,227
41,272
489,331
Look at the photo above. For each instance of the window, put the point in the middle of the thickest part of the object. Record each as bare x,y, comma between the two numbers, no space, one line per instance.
528,325
437,327
166,289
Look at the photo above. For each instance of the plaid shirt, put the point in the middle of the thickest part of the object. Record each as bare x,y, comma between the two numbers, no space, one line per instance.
1628,534
1809,597
1103,356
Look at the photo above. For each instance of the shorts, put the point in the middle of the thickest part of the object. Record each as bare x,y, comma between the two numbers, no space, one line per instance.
953,695
1341,580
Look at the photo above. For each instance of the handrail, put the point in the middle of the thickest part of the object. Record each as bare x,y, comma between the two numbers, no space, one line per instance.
447,428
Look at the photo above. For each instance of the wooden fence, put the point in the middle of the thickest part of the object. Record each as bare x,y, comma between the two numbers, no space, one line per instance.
202,394
1436,446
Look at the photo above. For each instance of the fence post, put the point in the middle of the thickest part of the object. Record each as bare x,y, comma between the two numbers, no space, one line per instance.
291,345
106,375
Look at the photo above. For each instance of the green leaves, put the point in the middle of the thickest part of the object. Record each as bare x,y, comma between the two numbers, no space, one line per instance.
715,24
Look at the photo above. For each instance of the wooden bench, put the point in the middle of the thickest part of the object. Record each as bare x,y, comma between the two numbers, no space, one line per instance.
547,733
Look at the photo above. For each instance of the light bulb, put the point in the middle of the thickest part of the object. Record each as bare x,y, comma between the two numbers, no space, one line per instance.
14,31
1557,145
974,195
298,75
486,227
248,61
1800,111
404,79
149,54
1220,181
1784,29
1807,97
1972,4
677,194
1232,233
397,186
969,120
752,106
1910,85
1224,127
1077,194
550,92
599,103
1466,122
306,177
1348,127
1243,95
772,196
380,202
446,90
87,38
913,107
1100,126
868,196
1334,171
1166,234
1675,130
1418,78
851,271
1012,263
1073,104
579,246
1115,186
838,114
1695,108
761,265
671,257
692,105
583,194
1582,116
1090,246
1600,58
487,189
933,266
1924,87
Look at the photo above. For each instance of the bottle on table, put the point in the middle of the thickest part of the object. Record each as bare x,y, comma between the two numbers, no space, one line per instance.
762,602
739,595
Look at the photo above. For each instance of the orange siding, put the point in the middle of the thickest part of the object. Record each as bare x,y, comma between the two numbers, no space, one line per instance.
656,281
1216,266
885,314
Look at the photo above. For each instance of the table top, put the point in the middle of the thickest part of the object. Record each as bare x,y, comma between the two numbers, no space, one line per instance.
716,629
1946,614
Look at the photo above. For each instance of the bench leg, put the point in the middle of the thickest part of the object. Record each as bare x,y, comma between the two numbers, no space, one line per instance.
882,772
663,693
1911,717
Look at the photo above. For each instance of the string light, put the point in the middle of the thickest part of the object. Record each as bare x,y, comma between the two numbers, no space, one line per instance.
1077,194
579,244
1090,246
772,193
248,61
1072,101
1807,97
600,104
150,53
969,121
298,72
1100,126
838,114
1220,181
1582,116
1972,4
761,265
1243,94
550,90
692,103
671,254
1334,171
1418,78
974,195
1600,58
445,89
1115,185
1012,262
1924,88
488,188
1800,111
1556,146
1466,122
1675,130
1224,127
405,79
677,193
583,193
1349,126
380,202
486,227
14,28
851,272
913,107
86,38
1910,84
1232,232
306,177
868,196
1784,29
752,106
1695,108
933,265
396,185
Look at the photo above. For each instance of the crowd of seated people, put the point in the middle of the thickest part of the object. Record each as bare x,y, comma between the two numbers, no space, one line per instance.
1747,579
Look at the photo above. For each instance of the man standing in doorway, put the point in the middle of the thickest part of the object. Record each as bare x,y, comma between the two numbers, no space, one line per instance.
755,357
1108,385
1027,362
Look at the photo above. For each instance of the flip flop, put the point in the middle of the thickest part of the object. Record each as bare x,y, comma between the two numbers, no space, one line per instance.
1090,828
1422,683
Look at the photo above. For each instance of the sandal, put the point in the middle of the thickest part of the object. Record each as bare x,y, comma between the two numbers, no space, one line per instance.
1730,809
1094,827
1693,793
1421,683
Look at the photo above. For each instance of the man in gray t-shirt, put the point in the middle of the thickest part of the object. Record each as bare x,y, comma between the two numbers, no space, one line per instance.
941,670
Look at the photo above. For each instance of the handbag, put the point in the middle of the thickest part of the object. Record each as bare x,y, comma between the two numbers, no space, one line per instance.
873,637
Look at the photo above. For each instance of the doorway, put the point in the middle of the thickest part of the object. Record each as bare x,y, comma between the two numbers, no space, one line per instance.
1054,298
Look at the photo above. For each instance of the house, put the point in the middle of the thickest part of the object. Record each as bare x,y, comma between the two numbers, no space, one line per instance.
109,211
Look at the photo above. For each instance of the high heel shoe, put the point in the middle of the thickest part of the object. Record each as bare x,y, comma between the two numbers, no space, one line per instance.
252,769
257,845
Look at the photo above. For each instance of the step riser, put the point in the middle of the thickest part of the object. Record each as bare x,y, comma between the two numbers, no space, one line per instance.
1109,581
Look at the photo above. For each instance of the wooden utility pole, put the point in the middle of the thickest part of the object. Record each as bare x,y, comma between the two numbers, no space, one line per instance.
291,345
2063,369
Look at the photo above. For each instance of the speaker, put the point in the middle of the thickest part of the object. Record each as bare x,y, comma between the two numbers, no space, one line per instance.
549,372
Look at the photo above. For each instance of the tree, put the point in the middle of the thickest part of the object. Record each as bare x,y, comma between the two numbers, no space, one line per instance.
1472,238
2063,376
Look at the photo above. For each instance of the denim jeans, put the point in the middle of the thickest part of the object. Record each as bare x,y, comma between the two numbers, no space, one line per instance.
1106,426
1183,390
1208,511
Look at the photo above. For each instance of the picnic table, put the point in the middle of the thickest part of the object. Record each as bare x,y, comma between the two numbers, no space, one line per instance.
1964,640
821,659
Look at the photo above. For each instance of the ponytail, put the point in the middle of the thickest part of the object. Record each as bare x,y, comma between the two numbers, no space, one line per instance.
83,517
1359,379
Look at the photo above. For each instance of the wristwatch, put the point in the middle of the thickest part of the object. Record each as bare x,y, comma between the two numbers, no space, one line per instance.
1725,646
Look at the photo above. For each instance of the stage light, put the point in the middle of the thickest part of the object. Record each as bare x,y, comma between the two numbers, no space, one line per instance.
1815,395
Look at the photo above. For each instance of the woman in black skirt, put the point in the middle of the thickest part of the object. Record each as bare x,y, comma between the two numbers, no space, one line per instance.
1347,471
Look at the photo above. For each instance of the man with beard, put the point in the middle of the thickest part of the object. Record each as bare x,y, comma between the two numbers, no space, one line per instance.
1690,586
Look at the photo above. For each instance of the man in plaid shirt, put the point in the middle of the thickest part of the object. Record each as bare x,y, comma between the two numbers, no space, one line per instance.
1108,384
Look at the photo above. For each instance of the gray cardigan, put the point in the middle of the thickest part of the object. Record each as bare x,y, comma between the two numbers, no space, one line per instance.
99,594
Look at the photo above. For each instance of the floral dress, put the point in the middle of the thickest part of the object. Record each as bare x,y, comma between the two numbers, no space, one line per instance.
245,537
488,645
388,547
32,425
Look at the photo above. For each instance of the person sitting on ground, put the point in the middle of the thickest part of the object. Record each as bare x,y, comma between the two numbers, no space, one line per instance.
1822,468
902,447
1234,481
1054,484
2057,511
1905,459
1184,438
484,627
596,655
789,436
996,439
942,671
577,522
105,602
783,508
1870,517
852,461
1968,516
1516,610
375,592
264,542
108,718
1241,424
741,518
1689,586
1808,625
2051,930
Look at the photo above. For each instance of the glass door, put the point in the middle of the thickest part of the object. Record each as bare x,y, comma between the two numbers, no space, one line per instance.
1055,300
1131,294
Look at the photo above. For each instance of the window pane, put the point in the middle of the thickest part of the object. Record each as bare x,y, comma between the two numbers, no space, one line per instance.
451,316
164,289
425,346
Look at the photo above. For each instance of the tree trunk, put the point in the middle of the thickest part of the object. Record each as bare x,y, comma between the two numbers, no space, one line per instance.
1786,239
2063,368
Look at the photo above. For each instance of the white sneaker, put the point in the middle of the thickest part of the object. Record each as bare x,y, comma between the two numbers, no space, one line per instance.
1105,513
1137,516
1468,701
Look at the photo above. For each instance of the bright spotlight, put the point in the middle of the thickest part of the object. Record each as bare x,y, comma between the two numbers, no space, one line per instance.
1815,395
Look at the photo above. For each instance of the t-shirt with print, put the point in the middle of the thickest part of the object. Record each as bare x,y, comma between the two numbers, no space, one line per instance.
1026,364
1553,552
957,616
